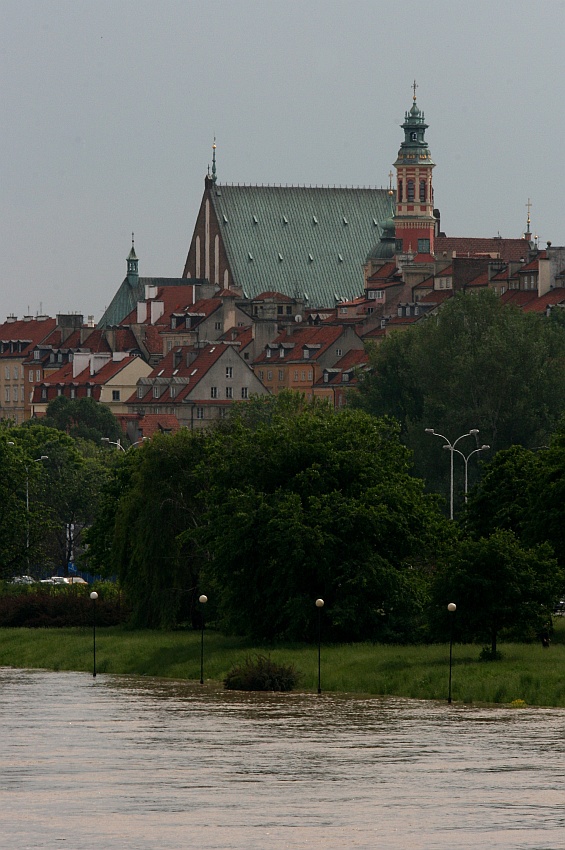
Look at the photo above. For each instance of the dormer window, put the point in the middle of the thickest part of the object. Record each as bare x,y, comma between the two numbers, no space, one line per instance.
306,353
268,353
281,352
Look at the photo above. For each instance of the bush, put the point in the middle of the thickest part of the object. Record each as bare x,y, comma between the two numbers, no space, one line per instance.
487,654
31,606
259,673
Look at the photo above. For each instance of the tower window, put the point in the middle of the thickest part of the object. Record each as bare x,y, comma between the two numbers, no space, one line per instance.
410,190
423,246
422,190
414,137
400,190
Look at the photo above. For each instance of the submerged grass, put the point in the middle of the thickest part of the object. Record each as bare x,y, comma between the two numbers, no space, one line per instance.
527,672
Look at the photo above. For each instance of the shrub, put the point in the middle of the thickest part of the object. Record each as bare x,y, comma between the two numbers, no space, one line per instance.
487,654
260,673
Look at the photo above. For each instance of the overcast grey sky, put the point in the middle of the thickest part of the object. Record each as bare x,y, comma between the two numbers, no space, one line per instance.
109,109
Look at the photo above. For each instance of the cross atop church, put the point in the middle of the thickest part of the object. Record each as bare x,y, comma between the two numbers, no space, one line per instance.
414,86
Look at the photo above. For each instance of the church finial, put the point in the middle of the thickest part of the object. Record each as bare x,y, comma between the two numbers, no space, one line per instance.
528,233
214,177
133,262
414,86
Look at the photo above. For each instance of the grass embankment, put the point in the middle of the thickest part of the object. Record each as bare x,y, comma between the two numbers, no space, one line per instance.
526,672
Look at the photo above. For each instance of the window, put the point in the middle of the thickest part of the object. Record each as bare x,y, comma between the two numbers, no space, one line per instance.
59,390
213,392
310,374
200,413
306,353
296,374
73,392
15,393
423,246
414,137
343,311
173,391
422,190
217,326
400,190
303,375
16,372
338,352
281,374
244,392
140,392
269,375
155,392
280,310
410,190
345,377
7,372
289,311
268,353
36,354
229,392
398,246
222,412
38,374
89,392
261,374
43,394
30,376
115,395
229,371
281,352
22,388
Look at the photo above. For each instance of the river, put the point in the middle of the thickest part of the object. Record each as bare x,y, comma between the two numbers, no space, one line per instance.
126,763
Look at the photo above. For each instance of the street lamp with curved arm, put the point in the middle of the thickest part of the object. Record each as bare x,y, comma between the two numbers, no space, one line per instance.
466,461
450,446
118,443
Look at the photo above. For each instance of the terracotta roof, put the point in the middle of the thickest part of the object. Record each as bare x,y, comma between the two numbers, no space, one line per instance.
438,296
550,299
64,375
519,297
507,249
157,423
30,331
480,280
175,366
318,335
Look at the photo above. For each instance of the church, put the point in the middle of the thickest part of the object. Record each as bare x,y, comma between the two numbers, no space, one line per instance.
320,244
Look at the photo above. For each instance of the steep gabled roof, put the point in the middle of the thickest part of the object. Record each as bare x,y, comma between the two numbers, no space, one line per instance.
29,332
299,239
318,338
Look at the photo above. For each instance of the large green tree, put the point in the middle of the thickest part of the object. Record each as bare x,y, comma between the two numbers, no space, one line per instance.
85,418
305,502
476,364
498,584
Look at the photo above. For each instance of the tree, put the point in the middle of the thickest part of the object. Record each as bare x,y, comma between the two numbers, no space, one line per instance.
82,417
311,503
497,584
477,364
502,499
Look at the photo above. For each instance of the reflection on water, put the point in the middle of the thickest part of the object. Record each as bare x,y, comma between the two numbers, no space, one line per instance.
121,762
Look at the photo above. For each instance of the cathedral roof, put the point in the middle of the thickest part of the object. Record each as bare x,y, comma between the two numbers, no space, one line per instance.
299,240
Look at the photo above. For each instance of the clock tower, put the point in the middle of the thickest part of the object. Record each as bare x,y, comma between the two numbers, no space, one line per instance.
414,219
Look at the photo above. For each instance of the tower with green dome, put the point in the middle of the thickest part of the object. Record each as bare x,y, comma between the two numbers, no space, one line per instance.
414,220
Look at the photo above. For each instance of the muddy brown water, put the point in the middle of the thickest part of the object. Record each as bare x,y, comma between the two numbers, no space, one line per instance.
115,763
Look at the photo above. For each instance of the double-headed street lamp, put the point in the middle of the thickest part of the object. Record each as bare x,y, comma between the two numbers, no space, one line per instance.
118,443
451,448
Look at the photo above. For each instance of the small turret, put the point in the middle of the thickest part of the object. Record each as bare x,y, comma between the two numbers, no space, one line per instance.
133,262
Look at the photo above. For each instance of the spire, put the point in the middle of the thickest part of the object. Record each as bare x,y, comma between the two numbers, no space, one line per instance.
528,233
133,262
214,177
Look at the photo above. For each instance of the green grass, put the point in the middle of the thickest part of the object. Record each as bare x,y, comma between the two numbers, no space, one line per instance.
526,672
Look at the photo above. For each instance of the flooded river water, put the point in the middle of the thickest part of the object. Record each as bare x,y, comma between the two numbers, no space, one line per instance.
119,763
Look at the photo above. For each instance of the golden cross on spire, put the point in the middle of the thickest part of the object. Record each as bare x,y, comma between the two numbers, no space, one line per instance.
529,206
390,176
414,86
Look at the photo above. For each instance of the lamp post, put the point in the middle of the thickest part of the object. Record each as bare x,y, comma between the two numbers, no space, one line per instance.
203,600
452,607
450,446
94,597
118,443
466,461
319,606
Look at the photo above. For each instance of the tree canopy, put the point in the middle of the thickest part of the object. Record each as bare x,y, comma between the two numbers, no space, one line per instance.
286,502
476,364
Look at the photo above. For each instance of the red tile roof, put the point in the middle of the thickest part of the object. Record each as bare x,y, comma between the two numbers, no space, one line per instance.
316,335
507,249
550,299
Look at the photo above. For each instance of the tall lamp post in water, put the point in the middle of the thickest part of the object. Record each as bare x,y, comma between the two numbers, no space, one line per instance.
203,600
319,606
94,597
450,446
452,607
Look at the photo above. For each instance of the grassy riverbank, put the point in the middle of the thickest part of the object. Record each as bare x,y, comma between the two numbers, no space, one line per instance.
527,671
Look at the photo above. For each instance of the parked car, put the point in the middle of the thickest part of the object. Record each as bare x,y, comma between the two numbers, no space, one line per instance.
22,580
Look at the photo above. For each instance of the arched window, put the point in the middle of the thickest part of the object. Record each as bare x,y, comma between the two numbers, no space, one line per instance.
400,191
410,190
422,190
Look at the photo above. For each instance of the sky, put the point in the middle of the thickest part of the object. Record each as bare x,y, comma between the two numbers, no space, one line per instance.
109,109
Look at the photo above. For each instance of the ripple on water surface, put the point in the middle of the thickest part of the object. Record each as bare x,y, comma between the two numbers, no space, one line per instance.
119,762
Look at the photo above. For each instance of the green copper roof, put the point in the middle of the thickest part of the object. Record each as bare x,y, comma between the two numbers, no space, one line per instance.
130,292
299,240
